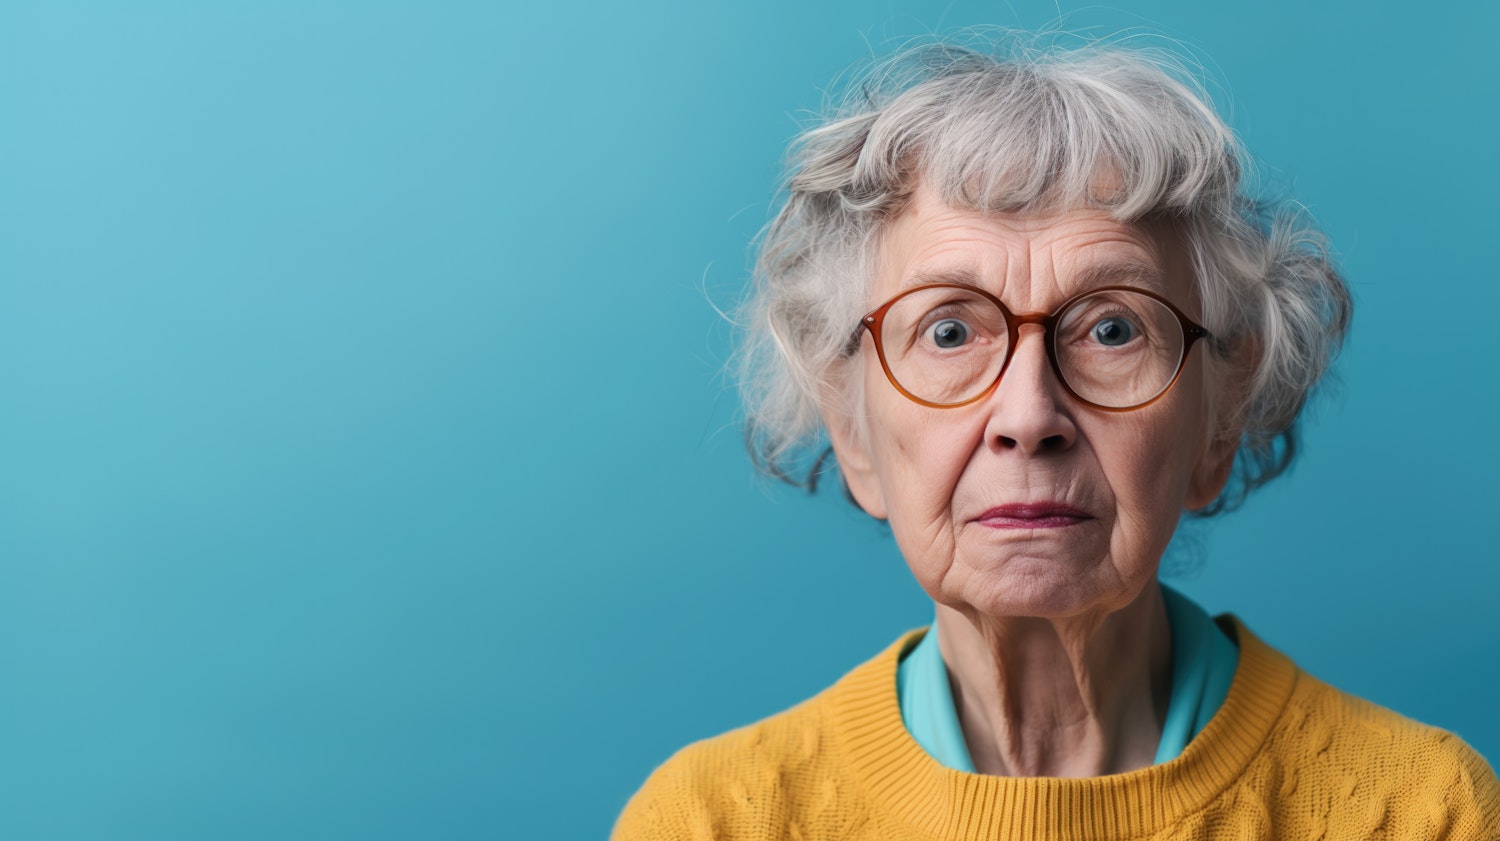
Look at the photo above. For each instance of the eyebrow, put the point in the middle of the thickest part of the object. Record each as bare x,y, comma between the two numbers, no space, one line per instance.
1115,273
962,277
1126,273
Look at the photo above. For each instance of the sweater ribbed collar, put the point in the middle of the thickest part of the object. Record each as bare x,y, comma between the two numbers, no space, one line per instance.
942,803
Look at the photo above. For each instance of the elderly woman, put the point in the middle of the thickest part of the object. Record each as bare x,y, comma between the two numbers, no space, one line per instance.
1037,319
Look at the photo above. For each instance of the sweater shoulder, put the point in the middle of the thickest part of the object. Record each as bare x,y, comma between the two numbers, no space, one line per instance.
709,787
772,746
1334,719
783,771
1361,748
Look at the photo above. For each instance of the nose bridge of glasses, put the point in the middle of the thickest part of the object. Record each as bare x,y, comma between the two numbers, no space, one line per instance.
1042,326
1041,319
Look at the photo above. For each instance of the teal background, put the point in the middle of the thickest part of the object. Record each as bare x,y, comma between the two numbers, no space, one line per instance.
369,471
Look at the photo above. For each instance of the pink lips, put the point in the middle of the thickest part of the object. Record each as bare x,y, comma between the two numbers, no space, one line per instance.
1032,515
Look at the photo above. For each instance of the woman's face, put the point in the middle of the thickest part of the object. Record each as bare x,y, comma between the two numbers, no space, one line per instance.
1027,502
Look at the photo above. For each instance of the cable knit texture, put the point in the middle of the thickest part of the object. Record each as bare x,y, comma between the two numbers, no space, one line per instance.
1286,757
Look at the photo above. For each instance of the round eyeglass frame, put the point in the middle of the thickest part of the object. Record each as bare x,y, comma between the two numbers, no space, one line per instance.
875,319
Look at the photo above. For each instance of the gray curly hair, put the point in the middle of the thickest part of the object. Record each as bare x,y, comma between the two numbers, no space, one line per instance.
1010,129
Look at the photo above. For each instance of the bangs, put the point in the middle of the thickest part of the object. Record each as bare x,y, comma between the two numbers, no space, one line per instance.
1104,132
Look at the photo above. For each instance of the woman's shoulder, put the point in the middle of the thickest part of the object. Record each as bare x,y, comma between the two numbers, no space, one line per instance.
749,755
783,766
1318,717
1380,741
1375,760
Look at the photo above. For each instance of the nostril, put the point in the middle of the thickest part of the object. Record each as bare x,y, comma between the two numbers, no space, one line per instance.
1051,443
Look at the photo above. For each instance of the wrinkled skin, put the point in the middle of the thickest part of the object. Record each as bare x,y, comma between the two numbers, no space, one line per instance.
1055,636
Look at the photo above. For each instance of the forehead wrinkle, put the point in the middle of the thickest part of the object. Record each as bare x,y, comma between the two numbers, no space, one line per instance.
940,243
1096,275
1120,273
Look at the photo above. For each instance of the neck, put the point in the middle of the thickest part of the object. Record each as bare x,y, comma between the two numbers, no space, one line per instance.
1079,696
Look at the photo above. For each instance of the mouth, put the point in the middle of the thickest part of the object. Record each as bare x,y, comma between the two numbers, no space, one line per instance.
1032,515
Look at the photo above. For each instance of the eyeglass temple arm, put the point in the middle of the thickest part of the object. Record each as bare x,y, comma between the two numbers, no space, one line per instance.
852,345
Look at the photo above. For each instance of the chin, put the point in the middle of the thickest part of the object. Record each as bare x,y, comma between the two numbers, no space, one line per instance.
1038,589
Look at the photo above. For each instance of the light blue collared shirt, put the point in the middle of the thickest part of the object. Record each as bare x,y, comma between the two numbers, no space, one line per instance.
1203,664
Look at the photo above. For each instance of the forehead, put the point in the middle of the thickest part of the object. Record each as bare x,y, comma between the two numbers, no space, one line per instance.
1030,260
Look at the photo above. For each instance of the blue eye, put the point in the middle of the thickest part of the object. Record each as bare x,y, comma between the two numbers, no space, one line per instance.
949,333
1113,332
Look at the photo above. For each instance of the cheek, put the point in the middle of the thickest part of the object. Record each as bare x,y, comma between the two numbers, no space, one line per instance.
1149,465
920,456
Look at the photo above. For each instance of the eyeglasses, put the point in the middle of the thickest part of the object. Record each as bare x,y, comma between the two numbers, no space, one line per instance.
1114,348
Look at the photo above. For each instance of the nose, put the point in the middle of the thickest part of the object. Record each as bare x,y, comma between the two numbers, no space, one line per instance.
1029,410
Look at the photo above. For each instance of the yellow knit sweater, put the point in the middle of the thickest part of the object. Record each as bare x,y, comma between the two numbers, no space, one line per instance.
1286,757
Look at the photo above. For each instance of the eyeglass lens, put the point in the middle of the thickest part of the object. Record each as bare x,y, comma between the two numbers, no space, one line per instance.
1113,348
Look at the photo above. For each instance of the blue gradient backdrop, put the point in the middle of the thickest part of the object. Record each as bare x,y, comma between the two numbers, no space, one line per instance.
368,469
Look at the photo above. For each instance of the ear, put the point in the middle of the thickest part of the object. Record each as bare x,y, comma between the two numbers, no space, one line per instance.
851,448
1212,472
1234,376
